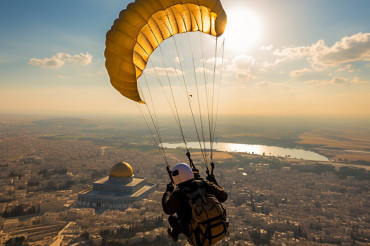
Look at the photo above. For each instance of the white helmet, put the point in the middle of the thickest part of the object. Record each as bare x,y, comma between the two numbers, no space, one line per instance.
181,173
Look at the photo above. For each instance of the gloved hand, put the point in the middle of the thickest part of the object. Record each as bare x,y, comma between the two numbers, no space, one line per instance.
211,178
170,187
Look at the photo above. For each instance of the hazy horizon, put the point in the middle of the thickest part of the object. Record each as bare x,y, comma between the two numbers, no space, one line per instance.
272,122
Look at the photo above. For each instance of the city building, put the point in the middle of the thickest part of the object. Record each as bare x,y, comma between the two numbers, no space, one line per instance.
116,191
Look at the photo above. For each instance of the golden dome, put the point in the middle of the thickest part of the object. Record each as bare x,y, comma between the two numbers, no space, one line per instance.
121,170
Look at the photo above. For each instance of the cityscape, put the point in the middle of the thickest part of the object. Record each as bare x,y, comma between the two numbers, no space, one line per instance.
272,200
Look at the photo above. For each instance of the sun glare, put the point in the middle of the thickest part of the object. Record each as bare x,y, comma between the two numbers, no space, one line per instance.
244,29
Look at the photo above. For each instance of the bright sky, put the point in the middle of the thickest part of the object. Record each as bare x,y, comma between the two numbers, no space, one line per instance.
282,57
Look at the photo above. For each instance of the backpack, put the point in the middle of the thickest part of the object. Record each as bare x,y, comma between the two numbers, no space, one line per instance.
208,223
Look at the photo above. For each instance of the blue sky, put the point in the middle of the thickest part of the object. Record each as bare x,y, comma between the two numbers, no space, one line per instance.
301,62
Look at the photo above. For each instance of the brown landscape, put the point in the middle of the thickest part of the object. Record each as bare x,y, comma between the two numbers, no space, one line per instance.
341,145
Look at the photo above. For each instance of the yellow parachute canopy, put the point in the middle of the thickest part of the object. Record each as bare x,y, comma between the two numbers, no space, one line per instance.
144,25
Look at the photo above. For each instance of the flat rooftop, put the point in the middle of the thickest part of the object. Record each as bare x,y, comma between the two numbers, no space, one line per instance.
134,181
118,194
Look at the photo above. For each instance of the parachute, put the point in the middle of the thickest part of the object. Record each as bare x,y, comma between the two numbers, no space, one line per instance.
142,28
144,25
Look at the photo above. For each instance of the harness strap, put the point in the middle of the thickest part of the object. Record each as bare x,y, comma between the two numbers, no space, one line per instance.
221,233
170,174
213,167
211,220
208,233
197,233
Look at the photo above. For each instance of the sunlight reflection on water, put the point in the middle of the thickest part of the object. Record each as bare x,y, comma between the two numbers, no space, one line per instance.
255,149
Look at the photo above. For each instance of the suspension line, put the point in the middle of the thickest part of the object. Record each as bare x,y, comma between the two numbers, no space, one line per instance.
213,93
159,143
186,88
176,116
206,86
202,148
219,85
187,96
169,83
199,105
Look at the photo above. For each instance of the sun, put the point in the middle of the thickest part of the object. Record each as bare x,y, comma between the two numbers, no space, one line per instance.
244,29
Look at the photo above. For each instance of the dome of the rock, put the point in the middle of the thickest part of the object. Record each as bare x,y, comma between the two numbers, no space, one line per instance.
121,170
117,191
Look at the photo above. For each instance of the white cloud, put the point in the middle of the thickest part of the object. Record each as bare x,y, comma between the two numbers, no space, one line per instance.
264,84
339,80
347,50
277,61
52,62
268,48
357,80
293,53
243,62
244,76
212,60
299,73
160,71
344,68
60,59
240,68
204,70
335,80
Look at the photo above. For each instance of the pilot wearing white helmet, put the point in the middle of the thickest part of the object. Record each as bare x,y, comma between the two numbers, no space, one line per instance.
176,203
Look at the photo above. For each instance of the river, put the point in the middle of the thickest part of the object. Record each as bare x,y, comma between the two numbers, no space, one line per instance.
255,149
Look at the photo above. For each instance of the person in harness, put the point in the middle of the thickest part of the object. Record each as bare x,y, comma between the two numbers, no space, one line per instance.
195,207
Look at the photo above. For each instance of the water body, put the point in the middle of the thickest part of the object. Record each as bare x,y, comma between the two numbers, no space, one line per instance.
255,149
358,151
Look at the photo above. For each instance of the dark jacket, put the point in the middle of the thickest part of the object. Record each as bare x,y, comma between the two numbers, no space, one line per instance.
177,202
